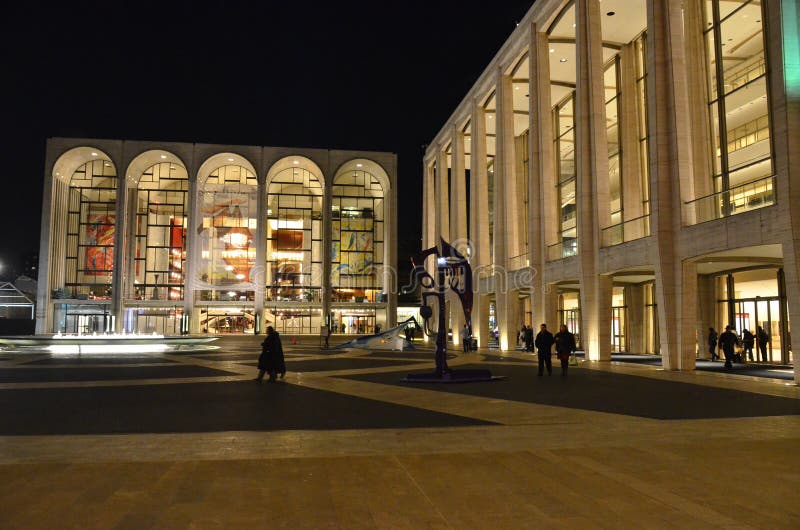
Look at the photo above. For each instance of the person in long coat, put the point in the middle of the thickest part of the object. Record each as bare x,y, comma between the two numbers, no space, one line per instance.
544,343
565,346
271,359
728,341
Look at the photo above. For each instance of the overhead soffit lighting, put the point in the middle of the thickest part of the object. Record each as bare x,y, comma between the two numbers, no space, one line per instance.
230,160
94,154
163,156
562,60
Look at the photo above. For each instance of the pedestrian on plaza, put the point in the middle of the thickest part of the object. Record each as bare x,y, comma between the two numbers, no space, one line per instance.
528,338
748,339
712,343
465,339
544,344
728,341
763,339
521,337
565,346
271,359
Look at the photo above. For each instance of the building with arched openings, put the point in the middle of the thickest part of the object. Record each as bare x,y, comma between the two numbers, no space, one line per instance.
178,238
630,168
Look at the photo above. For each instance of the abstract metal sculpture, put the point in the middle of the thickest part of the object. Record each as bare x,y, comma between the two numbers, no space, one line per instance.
453,271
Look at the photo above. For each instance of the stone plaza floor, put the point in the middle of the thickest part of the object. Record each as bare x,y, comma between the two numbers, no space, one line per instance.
189,440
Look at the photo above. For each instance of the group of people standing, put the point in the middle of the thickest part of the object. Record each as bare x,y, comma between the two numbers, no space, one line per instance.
728,341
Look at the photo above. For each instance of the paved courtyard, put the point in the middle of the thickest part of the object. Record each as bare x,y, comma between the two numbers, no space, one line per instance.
190,441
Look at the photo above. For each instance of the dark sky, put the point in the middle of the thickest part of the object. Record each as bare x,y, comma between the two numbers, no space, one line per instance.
352,75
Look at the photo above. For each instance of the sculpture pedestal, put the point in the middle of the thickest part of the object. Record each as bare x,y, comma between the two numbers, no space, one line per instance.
453,376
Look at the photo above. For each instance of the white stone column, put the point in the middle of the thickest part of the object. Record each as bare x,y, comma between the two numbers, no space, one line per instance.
784,98
591,154
668,110
442,197
479,223
193,222
628,125
541,200
506,224
120,233
259,278
458,222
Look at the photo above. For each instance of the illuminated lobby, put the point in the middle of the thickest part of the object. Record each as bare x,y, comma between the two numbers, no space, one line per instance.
180,238
629,168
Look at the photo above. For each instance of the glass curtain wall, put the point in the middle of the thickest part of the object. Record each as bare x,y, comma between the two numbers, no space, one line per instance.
357,237
160,233
738,105
228,224
90,234
294,237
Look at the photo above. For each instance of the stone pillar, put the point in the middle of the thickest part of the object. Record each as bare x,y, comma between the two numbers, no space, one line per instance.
670,175
629,119
506,231
697,94
551,308
120,233
458,222
442,197
634,300
327,243
259,278
479,224
707,305
193,221
781,50
591,154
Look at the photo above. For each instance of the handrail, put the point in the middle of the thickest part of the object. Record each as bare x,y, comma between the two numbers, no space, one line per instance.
743,198
617,234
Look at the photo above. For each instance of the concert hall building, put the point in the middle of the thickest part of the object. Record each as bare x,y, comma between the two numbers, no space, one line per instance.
630,168
172,238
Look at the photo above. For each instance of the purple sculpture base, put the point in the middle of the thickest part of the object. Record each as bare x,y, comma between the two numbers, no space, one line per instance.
453,376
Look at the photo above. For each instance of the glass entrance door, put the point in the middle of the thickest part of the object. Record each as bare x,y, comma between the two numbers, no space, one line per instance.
765,312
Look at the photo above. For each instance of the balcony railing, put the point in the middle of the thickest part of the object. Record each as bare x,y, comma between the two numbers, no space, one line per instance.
750,196
518,262
562,249
625,231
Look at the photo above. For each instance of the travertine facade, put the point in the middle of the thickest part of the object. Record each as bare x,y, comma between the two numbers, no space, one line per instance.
166,237
630,168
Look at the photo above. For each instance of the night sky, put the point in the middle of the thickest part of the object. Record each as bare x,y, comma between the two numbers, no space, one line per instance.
343,75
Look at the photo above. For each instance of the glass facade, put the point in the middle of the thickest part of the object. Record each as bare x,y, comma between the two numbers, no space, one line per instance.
160,233
226,234
738,106
564,135
294,237
90,231
357,244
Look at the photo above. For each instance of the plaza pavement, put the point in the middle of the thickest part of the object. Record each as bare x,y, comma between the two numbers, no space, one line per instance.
190,441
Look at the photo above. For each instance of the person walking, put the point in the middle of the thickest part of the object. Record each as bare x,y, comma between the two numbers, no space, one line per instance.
528,338
271,359
465,339
762,338
565,346
544,343
748,339
728,341
712,343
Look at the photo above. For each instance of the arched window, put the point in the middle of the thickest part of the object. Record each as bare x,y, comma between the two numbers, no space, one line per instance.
91,215
294,236
160,232
357,242
228,204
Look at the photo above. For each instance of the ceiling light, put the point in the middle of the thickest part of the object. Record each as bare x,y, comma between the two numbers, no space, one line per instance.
516,88
295,162
107,164
573,24
552,50
359,165
562,60
163,156
230,160
94,154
